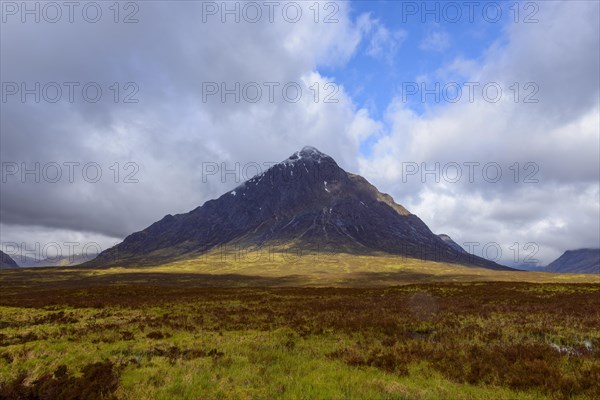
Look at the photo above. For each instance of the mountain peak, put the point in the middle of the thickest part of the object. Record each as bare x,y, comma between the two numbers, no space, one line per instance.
310,150
306,201
307,153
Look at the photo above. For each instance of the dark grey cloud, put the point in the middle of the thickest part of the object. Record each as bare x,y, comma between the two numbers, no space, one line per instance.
170,133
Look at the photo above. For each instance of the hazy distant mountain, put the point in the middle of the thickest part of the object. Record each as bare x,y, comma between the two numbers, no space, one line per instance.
6,261
307,202
58,261
582,261
530,267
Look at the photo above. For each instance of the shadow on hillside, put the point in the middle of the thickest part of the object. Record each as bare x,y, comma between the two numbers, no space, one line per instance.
391,278
54,278
80,287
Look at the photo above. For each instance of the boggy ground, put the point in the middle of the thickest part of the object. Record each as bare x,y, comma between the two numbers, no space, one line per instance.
492,340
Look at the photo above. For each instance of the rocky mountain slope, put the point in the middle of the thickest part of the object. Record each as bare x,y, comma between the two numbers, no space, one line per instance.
582,261
6,261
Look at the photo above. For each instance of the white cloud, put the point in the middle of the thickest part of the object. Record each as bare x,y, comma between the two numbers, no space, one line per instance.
560,134
437,40
383,43
38,243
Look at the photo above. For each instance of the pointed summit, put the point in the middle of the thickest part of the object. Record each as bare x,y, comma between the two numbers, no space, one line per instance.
308,153
310,149
311,152
306,201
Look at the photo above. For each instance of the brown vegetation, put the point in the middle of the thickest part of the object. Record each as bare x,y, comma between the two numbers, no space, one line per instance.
540,337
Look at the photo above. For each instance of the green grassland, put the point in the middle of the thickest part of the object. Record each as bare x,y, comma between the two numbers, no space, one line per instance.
349,327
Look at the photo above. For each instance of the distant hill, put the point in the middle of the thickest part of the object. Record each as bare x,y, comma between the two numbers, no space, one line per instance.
6,261
582,261
305,202
530,267
58,261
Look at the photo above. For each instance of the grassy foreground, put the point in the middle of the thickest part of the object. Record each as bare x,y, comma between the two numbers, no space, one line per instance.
135,335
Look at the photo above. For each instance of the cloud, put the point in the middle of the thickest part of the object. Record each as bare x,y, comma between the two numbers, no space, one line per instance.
382,42
23,242
165,140
435,41
555,140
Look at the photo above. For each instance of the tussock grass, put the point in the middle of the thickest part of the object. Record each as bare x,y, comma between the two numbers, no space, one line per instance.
175,340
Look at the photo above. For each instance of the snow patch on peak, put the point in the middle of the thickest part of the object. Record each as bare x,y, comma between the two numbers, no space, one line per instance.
307,153
310,150
311,153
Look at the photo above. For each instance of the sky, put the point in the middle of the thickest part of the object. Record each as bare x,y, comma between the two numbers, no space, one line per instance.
481,117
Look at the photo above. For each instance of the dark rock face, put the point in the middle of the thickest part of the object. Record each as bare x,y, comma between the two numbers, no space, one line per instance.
306,201
582,261
6,261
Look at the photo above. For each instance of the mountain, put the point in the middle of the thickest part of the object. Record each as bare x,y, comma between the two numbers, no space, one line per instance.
582,261
448,240
6,262
306,202
58,261
530,267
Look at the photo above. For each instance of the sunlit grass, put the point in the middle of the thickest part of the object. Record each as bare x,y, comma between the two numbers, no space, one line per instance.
426,341
228,327
309,269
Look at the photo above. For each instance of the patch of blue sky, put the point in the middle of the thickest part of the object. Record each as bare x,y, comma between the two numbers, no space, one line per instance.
423,43
409,42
